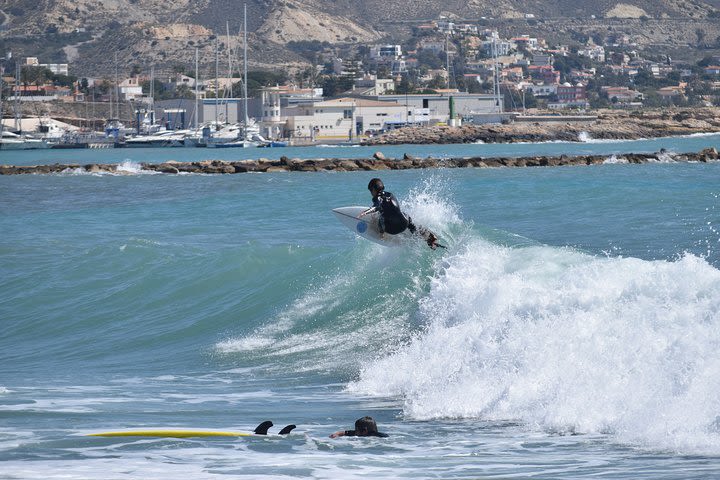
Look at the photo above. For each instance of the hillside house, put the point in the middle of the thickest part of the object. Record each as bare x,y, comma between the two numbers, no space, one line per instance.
371,85
131,89
56,68
542,91
593,52
622,95
386,52
673,91
572,95
526,41
544,74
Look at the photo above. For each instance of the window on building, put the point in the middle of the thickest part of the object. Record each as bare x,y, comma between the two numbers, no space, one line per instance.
347,113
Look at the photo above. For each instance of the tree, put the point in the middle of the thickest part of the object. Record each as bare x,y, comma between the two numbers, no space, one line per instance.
35,75
429,59
705,62
513,99
645,79
333,85
437,82
404,86
184,91
159,90
474,86
63,80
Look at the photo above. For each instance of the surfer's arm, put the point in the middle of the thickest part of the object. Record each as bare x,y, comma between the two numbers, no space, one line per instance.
369,210
342,433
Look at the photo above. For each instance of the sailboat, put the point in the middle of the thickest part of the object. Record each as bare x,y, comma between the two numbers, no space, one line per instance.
14,141
250,135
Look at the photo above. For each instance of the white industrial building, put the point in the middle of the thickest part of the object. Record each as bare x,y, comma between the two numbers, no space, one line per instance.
435,108
342,119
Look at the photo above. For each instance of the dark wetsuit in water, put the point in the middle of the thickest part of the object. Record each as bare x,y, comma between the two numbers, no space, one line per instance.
353,433
392,220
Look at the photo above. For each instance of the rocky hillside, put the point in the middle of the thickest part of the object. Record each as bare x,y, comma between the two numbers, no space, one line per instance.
155,32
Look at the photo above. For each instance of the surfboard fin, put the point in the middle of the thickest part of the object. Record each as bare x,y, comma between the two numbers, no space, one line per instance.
263,428
286,430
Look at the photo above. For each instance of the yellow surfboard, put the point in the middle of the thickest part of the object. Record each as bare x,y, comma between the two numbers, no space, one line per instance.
260,431
172,433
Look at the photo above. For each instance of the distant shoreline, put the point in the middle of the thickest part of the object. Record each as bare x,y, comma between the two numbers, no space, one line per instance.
602,125
376,162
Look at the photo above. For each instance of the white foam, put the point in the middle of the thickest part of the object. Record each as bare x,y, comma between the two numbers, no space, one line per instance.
128,167
567,342
613,159
133,168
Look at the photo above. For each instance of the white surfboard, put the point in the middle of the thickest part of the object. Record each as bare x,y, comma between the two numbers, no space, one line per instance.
367,226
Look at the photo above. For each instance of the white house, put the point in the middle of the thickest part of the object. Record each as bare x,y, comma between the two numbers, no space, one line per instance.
131,89
542,90
56,68
434,45
392,52
371,85
593,52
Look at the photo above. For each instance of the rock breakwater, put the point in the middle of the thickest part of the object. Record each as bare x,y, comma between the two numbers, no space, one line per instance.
377,162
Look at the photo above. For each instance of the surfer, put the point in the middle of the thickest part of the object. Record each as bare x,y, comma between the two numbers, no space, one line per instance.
392,219
364,427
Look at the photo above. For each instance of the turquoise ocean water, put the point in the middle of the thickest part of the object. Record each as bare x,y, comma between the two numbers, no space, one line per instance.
570,330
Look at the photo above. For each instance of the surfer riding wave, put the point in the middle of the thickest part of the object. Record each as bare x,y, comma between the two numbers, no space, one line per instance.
391,219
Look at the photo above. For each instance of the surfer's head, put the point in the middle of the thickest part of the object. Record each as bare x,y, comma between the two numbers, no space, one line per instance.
365,426
376,186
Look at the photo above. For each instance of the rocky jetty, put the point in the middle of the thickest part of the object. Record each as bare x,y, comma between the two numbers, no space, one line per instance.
377,162
608,125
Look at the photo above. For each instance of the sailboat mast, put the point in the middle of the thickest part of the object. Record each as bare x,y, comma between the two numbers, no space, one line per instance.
152,96
197,81
229,53
117,87
245,92
18,126
217,80
1,102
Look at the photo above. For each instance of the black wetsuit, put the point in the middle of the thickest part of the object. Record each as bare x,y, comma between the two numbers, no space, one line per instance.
353,433
392,220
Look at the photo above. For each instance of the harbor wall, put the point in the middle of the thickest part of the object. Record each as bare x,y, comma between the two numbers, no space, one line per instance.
376,162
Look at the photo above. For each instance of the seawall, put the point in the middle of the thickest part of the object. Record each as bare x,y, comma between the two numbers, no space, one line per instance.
377,162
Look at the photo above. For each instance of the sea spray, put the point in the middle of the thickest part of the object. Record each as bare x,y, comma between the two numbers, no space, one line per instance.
566,342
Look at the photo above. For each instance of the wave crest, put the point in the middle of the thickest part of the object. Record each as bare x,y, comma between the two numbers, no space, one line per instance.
566,342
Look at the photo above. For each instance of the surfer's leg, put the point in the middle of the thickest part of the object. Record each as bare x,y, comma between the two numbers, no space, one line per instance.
423,232
411,225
